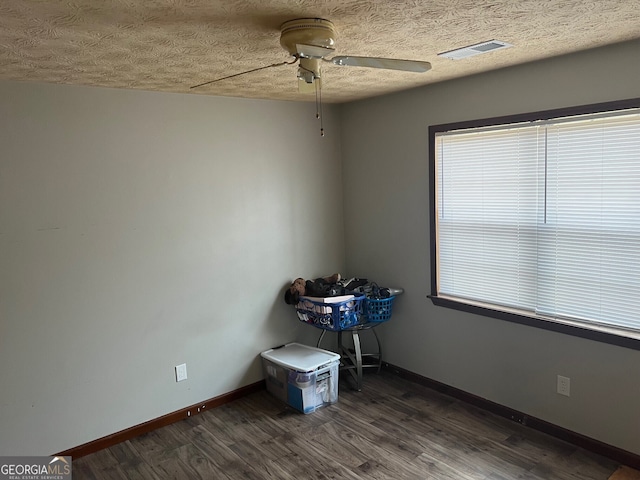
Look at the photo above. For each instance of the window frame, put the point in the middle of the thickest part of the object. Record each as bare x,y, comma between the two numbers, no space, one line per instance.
609,335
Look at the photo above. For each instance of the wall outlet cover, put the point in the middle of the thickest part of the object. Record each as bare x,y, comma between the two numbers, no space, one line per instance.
564,386
181,372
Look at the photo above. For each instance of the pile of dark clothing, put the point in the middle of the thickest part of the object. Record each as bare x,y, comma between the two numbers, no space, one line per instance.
332,286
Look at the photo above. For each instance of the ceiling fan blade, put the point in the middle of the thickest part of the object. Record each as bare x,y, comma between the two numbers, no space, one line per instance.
244,73
313,51
387,63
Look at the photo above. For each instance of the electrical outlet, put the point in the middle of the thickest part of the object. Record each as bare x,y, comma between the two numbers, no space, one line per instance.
564,386
181,372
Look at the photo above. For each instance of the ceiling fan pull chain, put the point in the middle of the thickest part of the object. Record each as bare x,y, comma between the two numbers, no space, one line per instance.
319,105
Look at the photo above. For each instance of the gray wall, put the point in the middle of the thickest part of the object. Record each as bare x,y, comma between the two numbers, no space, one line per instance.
142,230
385,156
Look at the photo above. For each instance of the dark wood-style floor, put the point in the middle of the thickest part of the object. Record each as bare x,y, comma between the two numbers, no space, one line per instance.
392,429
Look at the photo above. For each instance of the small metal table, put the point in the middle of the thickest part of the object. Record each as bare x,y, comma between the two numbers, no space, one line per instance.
352,358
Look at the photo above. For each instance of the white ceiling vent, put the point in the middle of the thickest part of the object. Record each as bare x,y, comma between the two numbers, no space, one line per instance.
476,49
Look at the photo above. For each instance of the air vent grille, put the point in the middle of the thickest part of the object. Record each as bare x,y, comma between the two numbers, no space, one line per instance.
476,49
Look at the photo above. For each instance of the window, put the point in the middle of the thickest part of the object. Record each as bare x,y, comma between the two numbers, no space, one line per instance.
537,219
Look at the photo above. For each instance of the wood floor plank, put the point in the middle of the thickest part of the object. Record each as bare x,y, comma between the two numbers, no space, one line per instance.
109,473
386,435
153,447
210,445
286,467
125,453
259,452
232,425
590,466
140,471
320,453
435,468
577,466
379,462
338,472
328,448
392,429
480,453
475,421
239,469
100,460
456,457
299,465
538,445
84,468
174,469
193,458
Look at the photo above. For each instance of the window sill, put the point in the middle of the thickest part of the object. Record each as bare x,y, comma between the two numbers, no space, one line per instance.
612,336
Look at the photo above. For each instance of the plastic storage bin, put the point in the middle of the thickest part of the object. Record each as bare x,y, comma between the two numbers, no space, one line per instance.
334,313
306,378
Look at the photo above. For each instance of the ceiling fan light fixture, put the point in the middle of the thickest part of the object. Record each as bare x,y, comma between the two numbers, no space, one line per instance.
477,49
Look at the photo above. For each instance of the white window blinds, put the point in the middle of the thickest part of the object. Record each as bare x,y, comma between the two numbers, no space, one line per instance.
543,217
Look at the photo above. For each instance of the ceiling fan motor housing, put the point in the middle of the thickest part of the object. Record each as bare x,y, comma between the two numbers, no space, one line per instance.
316,32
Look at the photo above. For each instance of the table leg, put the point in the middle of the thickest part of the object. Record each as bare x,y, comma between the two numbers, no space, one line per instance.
352,361
358,352
321,337
379,349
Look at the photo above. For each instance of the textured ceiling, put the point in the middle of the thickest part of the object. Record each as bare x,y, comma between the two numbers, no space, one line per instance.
173,44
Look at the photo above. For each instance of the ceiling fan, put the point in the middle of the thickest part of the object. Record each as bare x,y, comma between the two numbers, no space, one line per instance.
310,41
